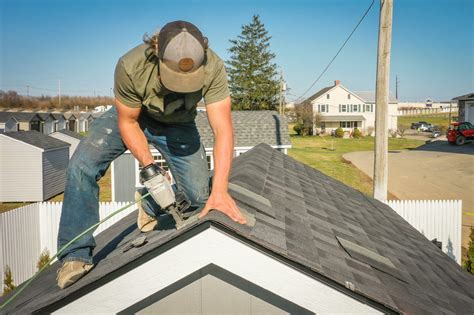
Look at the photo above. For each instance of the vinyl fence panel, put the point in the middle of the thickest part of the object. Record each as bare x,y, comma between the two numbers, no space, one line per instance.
440,219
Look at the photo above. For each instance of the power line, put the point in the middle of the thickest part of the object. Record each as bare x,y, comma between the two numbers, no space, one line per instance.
340,49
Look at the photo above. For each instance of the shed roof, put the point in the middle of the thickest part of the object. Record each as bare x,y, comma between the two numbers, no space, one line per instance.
21,116
369,97
466,97
316,224
70,134
5,116
37,139
250,128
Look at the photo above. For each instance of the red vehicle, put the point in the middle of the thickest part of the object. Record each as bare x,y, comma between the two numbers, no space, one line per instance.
458,133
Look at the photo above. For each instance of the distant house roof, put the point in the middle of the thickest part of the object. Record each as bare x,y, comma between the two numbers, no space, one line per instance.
22,116
319,93
58,116
69,116
37,139
250,128
45,116
369,97
5,116
314,223
466,97
71,134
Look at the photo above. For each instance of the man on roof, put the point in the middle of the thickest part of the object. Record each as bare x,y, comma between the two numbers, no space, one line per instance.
157,87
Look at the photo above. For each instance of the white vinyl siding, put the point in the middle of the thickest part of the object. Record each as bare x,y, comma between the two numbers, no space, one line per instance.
74,142
21,171
55,164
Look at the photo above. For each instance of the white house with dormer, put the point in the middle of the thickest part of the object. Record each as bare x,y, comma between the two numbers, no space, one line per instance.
337,106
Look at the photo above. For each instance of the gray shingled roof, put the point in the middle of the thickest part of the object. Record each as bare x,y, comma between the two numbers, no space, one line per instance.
250,128
37,139
5,116
369,97
71,134
310,218
469,96
21,116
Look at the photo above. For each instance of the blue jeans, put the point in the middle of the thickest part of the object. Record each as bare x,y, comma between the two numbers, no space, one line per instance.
180,146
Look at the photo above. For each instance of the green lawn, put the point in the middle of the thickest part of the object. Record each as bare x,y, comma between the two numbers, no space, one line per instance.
316,152
105,195
434,119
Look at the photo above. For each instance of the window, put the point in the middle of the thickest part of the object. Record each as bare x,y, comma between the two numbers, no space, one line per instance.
349,124
327,96
343,108
348,96
323,108
369,108
158,160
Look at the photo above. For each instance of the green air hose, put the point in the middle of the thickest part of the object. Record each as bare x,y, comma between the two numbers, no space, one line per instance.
62,249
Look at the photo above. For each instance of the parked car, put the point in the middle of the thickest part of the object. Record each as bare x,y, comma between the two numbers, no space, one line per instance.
419,124
459,133
425,127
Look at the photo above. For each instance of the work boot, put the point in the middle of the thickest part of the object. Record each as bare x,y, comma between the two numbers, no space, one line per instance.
71,271
145,222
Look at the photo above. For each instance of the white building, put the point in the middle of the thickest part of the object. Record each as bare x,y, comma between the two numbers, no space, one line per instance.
336,106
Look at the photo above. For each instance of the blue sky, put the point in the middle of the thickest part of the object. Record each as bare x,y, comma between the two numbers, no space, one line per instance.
79,42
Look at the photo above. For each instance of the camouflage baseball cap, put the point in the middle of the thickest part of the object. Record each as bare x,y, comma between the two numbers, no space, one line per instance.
181,53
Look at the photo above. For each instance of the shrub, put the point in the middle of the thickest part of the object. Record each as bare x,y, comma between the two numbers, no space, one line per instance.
469,263
339,132
298,128
8,285
357,134
43,259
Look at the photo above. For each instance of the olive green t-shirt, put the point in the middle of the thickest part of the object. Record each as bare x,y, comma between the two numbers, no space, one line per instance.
137,84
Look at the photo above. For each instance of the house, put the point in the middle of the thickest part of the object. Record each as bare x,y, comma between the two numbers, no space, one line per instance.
466,107
33,166
85,119
27,121
8,122
59,121
71,122
369,99
71,137
250,127
47,123
314,245
337,106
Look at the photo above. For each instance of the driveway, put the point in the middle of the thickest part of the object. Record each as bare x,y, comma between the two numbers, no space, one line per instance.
436,170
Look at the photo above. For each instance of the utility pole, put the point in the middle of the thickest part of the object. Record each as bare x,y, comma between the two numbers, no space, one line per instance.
281,93
396,86
27,91
381,99
59,93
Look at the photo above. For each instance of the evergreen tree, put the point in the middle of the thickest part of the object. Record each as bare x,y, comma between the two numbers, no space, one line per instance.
469,263
252,73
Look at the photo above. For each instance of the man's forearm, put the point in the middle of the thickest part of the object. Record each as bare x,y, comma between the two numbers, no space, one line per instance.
223,154
136,141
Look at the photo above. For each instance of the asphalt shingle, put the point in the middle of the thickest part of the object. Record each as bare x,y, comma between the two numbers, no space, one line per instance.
309,211
37,139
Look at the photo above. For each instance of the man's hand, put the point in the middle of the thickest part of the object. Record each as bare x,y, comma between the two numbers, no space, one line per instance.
224,203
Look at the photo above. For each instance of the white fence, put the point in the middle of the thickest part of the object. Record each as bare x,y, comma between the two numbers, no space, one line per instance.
25,232
440,219
426,111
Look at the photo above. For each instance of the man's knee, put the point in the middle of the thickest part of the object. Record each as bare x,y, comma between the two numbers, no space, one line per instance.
198,197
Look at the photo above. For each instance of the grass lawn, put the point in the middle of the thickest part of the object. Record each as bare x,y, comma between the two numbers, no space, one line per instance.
105,195
316,152
434,119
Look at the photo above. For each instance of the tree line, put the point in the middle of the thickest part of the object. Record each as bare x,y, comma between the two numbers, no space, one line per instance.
13,100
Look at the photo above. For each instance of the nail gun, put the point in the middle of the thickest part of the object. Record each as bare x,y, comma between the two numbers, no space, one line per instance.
155,180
